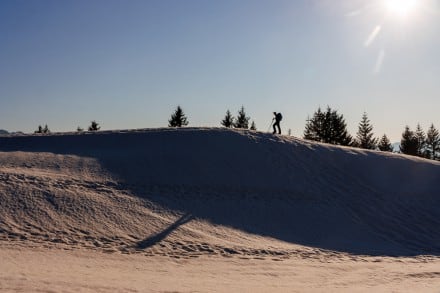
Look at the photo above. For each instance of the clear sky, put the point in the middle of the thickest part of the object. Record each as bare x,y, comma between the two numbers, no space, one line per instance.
128,64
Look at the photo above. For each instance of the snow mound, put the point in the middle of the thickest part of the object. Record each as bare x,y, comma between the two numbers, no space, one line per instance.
216,191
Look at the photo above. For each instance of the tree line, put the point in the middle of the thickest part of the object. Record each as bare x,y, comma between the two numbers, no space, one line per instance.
179,119
329,127
94,126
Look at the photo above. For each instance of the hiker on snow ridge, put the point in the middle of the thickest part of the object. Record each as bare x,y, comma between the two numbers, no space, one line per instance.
278,117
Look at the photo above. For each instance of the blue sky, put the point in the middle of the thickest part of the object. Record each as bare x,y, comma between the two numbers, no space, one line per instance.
128,64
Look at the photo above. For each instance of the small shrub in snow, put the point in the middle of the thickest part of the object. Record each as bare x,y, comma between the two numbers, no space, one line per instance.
253,126
43,130
94,126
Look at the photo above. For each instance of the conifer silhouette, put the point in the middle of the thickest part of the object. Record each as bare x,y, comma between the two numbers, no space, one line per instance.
178,118
94,126
242,121
228,121
39,130
421,141
364,136
385,144
432,143
43,130
328,127
409,142
253,126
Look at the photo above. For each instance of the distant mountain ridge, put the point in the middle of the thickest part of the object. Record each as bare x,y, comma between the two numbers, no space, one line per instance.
396,147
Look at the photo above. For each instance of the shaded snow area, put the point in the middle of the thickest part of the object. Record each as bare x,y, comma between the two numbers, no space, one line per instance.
198,194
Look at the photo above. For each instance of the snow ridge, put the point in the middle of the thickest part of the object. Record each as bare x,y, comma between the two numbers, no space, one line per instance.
215,191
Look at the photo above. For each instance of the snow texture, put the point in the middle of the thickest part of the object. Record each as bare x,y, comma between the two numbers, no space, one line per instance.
196,191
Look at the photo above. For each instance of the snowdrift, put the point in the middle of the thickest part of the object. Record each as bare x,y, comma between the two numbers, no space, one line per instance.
218,191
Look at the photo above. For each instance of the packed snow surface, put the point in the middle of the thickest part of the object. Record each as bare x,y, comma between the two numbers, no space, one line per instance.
128,190
213,210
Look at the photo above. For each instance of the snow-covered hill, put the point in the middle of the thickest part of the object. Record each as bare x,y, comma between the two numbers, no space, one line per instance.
215,191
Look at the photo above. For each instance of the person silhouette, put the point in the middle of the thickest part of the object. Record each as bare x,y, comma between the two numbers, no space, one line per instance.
278,117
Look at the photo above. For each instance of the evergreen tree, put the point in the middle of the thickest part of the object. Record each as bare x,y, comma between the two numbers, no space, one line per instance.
46,129
421,141
39,130
433,143
409,143
94,126
384,144
364,136
340,134
242,121
80,129
253,126
178,118
314,126
228,121
328,127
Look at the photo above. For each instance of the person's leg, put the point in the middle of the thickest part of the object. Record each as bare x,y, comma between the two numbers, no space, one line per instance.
275,126
278,128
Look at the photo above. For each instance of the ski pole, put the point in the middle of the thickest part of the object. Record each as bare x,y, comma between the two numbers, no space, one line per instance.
268,129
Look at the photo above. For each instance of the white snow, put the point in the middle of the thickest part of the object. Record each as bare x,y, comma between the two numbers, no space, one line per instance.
211,200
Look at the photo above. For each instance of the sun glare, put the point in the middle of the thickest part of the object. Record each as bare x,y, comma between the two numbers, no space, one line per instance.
401,8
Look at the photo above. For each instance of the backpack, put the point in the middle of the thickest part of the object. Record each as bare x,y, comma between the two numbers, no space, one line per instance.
279,117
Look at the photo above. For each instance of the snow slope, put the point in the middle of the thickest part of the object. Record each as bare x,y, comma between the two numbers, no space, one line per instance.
194,191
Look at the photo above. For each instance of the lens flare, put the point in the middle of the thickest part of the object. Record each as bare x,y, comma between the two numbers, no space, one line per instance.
372,36
401,7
